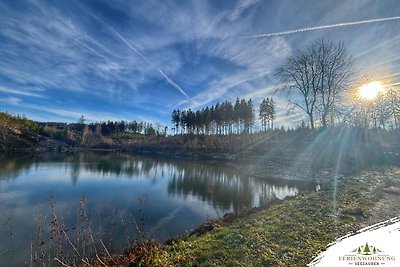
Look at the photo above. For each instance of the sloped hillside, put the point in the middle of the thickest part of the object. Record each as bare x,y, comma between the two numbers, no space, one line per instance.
17,133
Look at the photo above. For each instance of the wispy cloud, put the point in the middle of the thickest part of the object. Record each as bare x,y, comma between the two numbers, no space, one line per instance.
136,59
11,100
21,92
55,51
133,48
71,115
168,79
217,90
255,63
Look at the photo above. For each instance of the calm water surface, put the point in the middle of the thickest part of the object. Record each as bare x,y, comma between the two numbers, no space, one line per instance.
174,196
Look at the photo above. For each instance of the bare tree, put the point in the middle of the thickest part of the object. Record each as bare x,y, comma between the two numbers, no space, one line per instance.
334,65
299,74
317,73
393,96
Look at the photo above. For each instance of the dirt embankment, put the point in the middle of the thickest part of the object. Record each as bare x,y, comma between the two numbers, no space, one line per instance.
15,140
12,138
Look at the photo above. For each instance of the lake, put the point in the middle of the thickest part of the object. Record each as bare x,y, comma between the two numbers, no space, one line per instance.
116,196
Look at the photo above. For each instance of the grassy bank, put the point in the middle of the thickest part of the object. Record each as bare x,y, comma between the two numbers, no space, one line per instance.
290,233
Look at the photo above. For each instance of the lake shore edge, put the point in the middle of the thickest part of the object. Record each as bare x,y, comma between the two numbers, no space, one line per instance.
259,236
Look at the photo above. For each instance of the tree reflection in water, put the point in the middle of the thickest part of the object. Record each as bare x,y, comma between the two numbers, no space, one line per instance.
216,183
181,193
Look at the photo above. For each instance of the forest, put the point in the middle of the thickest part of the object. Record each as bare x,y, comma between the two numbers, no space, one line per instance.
224,118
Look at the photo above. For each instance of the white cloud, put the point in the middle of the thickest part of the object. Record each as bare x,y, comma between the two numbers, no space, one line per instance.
195,46
59,53
33,93
11,100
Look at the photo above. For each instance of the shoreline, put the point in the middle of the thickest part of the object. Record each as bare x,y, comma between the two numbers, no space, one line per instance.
238,239
314,207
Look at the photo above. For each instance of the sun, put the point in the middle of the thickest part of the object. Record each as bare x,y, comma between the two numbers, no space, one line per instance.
371,90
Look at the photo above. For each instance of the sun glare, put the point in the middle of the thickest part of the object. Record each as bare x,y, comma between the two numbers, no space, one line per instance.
370,90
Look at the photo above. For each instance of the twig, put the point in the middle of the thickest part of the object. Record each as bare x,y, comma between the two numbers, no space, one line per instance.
3,252
86,261
106,250
98,258
31,261
136,225
69,241
124,224
62,263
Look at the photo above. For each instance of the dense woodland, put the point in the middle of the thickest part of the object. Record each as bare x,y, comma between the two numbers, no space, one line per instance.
224,118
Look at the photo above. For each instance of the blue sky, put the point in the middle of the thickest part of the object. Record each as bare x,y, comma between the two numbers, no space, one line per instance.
138,60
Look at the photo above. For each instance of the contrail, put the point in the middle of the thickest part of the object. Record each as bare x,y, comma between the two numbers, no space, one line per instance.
130,46
169,80
344,24
173,83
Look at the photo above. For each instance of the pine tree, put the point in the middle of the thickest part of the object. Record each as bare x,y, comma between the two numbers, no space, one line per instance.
366,249
219,119
236,114
176,117
81,124
263,114
182,121
271,112
267,113
249,115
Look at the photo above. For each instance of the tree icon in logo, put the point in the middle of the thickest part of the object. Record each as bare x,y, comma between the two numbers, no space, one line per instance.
367,250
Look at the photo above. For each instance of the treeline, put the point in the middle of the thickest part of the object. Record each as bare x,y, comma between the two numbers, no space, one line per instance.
320,77
120,127
16,122
223,118
81,132
381,112
64,131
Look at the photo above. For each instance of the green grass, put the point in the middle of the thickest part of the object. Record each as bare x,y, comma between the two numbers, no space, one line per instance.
290,233
287,234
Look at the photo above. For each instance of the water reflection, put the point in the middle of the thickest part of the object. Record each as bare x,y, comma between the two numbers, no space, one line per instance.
181,194
12,166
215,183
226,189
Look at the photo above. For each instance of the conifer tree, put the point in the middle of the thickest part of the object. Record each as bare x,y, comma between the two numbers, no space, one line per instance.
366,249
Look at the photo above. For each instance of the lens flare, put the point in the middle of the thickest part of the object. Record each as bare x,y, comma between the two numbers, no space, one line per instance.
370,90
